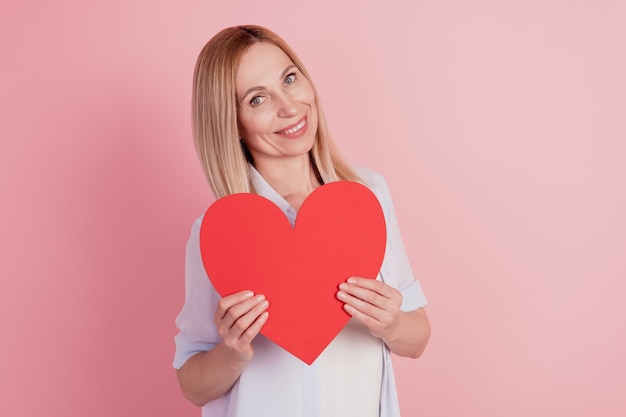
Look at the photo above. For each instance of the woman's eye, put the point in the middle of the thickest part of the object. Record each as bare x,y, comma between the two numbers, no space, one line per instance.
256,100
291,78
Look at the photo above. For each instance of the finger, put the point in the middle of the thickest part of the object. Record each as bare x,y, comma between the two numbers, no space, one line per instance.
227,303
245,327
254,328
368,295
369,321
244,320
237,311
372,284
230,300
368,308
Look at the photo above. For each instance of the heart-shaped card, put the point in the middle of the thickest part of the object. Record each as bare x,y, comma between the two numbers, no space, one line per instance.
247,243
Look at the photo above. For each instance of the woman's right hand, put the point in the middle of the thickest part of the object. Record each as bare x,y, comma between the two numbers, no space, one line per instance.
239,318
210,374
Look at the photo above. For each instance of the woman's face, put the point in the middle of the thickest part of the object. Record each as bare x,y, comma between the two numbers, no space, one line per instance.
276,105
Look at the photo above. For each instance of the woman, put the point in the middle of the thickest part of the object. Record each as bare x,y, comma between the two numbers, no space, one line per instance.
259,128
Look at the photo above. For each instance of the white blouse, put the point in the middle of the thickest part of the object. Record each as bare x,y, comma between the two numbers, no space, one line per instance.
350,370
276,383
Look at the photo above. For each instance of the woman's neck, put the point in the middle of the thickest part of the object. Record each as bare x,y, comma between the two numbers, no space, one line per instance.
292,178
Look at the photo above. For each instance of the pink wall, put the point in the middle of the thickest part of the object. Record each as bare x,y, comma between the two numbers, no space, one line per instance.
499,126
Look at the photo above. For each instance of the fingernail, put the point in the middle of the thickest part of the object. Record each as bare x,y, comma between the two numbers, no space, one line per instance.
260,297
343,286
341,295
351,280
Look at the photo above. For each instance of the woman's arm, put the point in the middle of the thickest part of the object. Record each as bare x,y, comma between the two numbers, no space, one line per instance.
208,375
377,306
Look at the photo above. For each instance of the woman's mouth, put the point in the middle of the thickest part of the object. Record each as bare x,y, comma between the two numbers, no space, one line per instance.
294,130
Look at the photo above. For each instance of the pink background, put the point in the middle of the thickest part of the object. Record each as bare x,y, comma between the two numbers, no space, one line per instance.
500,127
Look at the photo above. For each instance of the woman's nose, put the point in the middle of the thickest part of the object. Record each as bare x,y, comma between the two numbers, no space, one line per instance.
287,105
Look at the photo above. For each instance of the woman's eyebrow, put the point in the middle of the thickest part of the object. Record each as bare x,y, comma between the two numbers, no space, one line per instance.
260,88
249,90
286,71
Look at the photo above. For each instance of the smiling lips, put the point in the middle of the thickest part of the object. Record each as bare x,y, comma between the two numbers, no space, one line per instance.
295,130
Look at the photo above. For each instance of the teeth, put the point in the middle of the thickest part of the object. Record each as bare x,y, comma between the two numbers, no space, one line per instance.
294,129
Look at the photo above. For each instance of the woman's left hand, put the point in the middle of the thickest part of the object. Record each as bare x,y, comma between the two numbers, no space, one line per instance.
373,303
377,306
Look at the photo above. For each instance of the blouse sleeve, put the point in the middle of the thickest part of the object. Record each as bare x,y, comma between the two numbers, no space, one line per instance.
396,270
197,330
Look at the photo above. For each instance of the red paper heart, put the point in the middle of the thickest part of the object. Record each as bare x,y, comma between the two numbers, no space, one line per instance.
247,243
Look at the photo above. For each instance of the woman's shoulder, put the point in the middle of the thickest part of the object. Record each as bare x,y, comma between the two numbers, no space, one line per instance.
194,233
372,179
195,226
367,174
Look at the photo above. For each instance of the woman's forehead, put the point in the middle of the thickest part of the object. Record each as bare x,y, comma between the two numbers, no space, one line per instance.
260,63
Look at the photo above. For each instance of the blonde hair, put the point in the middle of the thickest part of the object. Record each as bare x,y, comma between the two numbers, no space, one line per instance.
214,107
